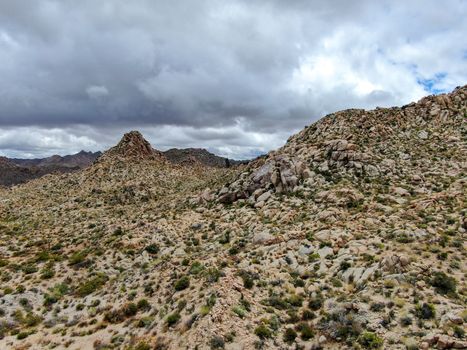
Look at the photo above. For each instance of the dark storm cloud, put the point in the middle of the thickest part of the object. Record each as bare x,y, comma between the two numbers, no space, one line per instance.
77,74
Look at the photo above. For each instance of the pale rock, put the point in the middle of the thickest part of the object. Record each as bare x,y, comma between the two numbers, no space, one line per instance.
325,251
264,197
262,237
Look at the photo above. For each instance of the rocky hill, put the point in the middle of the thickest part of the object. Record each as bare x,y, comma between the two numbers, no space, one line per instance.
351,236
191,155
15,171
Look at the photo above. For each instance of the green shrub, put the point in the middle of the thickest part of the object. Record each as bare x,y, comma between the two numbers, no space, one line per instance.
295,300
425,311
239,311
173,318
262,331
459,332
316,303
22,335
142,346
306,332
196,268
77,257
443,283
370,340
28,269
152,249
47,273
182,283
217,342
289,335
130,309
143,304
91,285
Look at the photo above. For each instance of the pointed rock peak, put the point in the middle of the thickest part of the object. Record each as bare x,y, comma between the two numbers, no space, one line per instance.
133,146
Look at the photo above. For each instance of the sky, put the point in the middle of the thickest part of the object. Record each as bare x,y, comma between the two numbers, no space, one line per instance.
235,77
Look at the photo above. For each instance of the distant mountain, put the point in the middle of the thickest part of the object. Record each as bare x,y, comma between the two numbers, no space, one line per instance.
16,171
200,155
78,160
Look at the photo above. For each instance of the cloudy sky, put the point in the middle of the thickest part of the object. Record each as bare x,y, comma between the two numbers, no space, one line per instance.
236,77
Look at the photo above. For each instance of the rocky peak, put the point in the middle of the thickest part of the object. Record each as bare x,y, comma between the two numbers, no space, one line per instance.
133,146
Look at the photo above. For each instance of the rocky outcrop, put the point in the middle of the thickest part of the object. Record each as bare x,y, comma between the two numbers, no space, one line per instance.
200,156
132,146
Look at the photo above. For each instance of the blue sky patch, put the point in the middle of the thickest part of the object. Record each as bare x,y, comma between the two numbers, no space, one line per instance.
430,84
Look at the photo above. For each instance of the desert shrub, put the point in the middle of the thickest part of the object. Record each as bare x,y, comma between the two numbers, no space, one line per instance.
143,304
130,309
152,249
295,300
307,314
173,318
217,342
47,273
239,311
247,279
405,321
425,311
459,332
370,340
182,283
114,316
316,303
22,335
142,346
262,331
77,258
196,268
443,283
29,269
91,285
306,332
212,275
276,302
289,335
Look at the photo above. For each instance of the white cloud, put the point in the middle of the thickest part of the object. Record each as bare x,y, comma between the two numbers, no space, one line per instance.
97,92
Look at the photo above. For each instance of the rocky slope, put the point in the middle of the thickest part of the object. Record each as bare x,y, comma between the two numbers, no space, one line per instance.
191,155
351,236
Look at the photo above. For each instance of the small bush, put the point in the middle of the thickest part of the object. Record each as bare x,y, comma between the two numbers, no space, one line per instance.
217,342
182,283
130,309
295,300
425,311
77,258
152,249
262,331
289,335
22,335
443,283
306,332
143,304
173,318
405,321
370,340
316,303
90,286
